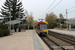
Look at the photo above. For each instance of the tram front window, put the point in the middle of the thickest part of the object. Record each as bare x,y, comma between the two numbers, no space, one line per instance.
43,26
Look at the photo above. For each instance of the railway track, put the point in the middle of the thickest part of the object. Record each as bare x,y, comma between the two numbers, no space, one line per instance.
65,38
57,41
51,44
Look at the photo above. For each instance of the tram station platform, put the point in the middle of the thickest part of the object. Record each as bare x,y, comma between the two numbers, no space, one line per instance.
27,40
65,32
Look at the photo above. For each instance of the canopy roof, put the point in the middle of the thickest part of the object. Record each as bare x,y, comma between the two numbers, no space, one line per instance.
13,22
72,22
1,17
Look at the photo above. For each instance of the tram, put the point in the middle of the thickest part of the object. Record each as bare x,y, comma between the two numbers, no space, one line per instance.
41,28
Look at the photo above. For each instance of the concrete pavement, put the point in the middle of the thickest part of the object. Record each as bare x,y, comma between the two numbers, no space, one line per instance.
66,32
18,41
27,40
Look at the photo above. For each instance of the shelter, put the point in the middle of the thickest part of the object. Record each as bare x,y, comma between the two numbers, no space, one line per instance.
69,23
1,19
13,22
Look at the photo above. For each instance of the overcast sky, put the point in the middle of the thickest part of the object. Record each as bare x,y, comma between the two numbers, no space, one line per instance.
38,7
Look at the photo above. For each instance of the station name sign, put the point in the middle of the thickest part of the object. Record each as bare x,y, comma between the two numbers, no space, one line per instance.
26,24
58,23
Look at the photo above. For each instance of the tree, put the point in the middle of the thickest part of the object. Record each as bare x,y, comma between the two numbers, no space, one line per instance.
61,20
13,7
51,19
30,20
61,16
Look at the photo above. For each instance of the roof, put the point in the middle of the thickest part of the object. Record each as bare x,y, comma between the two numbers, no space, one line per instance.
1,21
1,17
46,22
13,22
72,22
42,23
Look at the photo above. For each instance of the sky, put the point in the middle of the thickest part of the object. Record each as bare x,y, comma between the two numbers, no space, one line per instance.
38,7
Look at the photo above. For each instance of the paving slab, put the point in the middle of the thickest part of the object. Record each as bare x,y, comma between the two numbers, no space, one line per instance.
18,41
27,40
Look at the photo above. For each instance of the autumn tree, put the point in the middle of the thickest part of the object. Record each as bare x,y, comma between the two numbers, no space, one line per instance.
13,8
30,21
51,19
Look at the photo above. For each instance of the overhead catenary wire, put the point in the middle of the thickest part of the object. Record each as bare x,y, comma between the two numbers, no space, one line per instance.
56,5
72,10
69,9
49,7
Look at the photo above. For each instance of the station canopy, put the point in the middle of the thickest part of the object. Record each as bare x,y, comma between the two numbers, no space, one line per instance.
1,17
71,22
13,22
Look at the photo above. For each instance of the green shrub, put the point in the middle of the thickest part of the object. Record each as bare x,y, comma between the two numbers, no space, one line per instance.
6,32
62,26
30,27
26,27
73,26
1,34
3,26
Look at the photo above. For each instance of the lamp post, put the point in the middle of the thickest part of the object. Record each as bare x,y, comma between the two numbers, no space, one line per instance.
19,19
66,19
10,22
10,17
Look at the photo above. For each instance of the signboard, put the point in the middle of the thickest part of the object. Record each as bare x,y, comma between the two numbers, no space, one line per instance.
26,24
58,23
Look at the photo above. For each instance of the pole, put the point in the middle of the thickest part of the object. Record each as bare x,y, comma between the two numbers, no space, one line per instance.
10,21
57,26
28,27
19,19
10,17
66,19
60,21
24,28
66,14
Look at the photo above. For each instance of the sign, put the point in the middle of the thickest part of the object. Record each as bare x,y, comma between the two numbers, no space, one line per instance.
58,23
26,24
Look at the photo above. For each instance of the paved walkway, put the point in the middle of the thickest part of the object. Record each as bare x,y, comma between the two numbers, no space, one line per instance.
18,41
66,32
27,40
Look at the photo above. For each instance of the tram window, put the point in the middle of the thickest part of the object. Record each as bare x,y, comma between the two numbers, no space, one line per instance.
43,26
